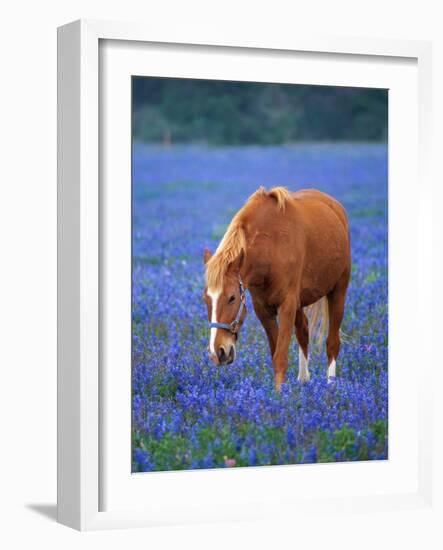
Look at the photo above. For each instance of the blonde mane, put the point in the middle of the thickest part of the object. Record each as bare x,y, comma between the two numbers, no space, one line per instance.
230,247
280,194
234,240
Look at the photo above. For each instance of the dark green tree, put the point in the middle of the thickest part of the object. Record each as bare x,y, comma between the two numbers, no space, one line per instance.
234,113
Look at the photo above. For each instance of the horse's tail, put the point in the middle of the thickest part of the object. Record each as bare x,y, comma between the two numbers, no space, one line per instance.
318,321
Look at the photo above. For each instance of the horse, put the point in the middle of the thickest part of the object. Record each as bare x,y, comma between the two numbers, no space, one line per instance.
291,251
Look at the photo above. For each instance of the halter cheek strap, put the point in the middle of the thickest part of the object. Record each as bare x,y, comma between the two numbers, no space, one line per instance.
235,325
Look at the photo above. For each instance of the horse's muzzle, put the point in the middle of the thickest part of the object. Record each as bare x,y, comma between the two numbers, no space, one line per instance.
226,357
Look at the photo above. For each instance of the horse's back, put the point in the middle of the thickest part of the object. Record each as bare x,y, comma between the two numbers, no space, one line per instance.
311,198
288,219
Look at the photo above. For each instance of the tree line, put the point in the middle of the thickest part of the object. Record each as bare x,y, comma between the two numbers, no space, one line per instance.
173,110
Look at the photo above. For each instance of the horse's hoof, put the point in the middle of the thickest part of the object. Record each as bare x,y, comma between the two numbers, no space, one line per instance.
331,379
303,379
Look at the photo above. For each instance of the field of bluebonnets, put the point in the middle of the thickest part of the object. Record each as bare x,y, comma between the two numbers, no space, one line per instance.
187,413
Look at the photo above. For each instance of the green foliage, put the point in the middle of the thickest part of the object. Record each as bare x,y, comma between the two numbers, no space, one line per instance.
234,113
347,444
173,452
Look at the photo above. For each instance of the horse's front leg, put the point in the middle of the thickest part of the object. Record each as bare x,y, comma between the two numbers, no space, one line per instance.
286,320
269,322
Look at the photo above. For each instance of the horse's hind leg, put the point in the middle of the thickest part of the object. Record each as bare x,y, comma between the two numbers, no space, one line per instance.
336,307
302,333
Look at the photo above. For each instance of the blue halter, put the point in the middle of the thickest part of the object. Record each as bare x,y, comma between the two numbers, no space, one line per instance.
235,325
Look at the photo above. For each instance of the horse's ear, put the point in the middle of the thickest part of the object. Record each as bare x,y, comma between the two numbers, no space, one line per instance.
206,256
238,262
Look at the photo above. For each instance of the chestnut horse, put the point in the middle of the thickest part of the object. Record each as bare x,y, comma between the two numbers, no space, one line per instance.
292,252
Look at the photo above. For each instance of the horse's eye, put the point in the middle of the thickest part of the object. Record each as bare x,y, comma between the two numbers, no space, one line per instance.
231,300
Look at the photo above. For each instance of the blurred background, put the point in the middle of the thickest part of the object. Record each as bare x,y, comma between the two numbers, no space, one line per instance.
172,110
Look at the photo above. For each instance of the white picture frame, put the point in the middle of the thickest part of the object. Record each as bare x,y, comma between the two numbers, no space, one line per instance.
81,413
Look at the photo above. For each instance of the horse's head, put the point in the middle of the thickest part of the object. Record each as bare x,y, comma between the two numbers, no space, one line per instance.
226,312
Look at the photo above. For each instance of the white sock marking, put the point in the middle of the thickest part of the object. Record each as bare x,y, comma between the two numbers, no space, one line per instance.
214,295
303,372
331,370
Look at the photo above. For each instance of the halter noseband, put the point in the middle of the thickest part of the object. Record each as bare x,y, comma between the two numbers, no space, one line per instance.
235,325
